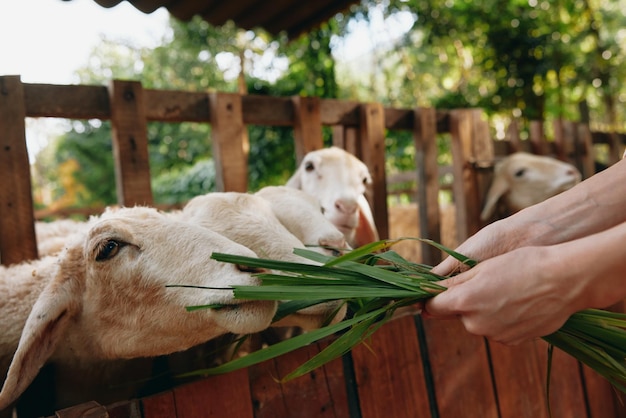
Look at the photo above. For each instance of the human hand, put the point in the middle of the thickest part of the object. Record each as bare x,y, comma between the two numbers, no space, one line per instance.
509,298
492,240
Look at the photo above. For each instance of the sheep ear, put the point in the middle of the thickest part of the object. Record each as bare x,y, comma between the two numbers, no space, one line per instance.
366,231
498,188
295,180
44,328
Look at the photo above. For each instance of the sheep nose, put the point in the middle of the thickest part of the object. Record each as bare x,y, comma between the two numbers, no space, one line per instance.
347,206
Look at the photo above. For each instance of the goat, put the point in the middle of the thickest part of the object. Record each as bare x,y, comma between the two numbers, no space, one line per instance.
105,297
339,181
522,179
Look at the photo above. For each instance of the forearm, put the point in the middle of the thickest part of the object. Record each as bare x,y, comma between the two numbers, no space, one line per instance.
592,206
593,268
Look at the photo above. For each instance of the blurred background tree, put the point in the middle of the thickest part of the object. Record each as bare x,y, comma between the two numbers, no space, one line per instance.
522,59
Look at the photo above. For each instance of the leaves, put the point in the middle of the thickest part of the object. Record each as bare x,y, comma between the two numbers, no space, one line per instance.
375,284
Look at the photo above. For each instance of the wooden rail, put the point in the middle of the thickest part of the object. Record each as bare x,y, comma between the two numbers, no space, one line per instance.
411,367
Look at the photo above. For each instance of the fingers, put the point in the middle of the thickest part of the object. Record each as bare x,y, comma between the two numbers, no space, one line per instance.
442,306
446,267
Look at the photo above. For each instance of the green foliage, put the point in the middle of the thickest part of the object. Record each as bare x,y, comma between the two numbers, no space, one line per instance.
534,59
181,184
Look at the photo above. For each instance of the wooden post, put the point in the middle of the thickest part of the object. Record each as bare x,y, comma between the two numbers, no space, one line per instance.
473,157
560,139
537,139
372,146
584,146
425,137
17,231
307,127
231,145
130,143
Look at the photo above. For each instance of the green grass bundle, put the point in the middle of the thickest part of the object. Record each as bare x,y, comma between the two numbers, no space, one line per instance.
375,284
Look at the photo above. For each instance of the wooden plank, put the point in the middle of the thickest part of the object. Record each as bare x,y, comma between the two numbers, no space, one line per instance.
460,370
584,146
389,372
519,378
92,102
538,144
483,160
321,393
513,136
567,394
17,232
213,396
425,138
372,146
161,405
130,143
560,148
463,188
230,142
71,101
307,127
176,106
602,399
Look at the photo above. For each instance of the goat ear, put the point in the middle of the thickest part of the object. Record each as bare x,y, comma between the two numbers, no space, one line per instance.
44,328
498,188
366,231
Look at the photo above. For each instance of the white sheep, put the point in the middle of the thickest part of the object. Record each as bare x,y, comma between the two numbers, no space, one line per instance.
302,215
52,236
521,180
248,219
105,297
339,181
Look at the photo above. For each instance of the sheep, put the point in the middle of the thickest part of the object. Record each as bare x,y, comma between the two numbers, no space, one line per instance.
522,180
339,180
52,236
248,219
105,296
302,215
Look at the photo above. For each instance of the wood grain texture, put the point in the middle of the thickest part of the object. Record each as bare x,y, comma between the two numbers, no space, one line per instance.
17,232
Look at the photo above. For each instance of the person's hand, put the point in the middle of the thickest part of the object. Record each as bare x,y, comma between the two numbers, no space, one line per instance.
508,298
492,240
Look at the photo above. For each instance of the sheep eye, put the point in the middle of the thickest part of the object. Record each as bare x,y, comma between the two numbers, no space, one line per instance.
108,250
365,181
248,269
520,172
308,166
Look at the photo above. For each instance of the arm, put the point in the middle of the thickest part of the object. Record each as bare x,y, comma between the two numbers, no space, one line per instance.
530,292
592,206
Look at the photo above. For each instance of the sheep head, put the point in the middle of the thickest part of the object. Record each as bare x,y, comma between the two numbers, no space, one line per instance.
107,297
523,179
250,220
339,181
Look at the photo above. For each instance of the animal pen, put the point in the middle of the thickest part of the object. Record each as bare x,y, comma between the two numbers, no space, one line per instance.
411,367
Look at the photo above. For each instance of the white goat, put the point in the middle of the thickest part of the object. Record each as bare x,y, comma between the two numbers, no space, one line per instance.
339,180
521,180
248,219
106,296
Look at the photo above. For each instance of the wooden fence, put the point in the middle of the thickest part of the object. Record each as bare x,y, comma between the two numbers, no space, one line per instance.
411,367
